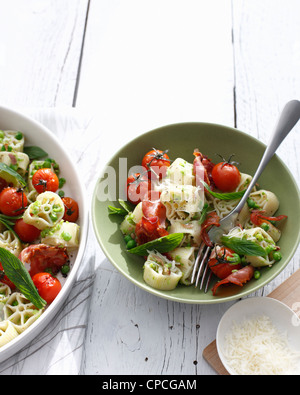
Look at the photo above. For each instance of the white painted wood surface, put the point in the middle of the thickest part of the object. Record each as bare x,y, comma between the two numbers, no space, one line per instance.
135,65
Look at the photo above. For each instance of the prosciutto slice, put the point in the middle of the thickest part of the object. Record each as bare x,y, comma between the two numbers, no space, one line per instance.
41,257
154,209
239,277
202,169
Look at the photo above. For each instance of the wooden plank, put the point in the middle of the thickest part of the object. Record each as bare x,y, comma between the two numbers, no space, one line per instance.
289,291
40,47
210,354
267,63
150,63
267,60
146,64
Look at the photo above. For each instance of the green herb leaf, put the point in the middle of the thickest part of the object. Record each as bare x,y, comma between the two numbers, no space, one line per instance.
203,213
242,246
163,244
224,196
9,225
125,206
35,152
17,273
11,176
118,211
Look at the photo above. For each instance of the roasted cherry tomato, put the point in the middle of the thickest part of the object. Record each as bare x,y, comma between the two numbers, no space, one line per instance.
149,229
13,202
48,286
71,209
158,161
45,180
222,263
5,280
27,233
138,187
226,176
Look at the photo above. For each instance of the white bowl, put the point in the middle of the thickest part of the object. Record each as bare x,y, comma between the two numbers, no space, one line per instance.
282,317
36,134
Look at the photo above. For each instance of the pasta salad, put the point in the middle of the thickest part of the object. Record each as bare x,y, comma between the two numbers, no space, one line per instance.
172,204
38,233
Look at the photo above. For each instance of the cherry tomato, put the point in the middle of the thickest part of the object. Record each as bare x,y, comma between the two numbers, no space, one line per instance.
138,187
27,233
149,229
45,180
48,286
226,176
220,264
158,161
71,209
5,280
13,202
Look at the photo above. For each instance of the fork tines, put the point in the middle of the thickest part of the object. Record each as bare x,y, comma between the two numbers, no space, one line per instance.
201,267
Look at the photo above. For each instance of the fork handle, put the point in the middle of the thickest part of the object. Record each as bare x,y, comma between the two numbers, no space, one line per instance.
290,115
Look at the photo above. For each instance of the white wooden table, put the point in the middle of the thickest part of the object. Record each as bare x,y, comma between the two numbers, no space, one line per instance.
133,65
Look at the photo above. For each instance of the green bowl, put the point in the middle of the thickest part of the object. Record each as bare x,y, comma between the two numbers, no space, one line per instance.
180,140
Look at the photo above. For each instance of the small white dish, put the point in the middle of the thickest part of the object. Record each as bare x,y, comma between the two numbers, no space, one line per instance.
281,316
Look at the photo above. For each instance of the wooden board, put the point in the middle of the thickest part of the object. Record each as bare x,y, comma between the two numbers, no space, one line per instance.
288,292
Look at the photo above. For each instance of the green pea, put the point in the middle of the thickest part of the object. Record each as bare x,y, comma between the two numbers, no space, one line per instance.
127,238
265,226
277,255
269,249
252,204
131,244
235,259
257,274
65,269
19,136
259,237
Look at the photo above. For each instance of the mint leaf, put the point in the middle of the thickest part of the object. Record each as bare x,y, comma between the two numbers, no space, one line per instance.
125,205
17,273
242,246
163,244
35,152
118,211
224,196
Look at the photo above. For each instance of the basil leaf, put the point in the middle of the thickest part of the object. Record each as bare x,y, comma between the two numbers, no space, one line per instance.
243,246
35,152
163,244
224,196
17,273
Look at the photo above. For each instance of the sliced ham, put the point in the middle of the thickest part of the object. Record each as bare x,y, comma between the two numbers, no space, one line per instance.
41,257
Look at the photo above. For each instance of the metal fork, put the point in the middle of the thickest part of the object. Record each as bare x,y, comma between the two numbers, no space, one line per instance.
287,120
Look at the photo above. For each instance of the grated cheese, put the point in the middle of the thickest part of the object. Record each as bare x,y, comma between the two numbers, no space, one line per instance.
255,347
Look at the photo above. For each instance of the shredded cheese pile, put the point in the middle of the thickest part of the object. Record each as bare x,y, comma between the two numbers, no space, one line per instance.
255,347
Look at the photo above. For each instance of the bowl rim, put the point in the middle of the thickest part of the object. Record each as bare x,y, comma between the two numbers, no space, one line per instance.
157,292
20,341
238,305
